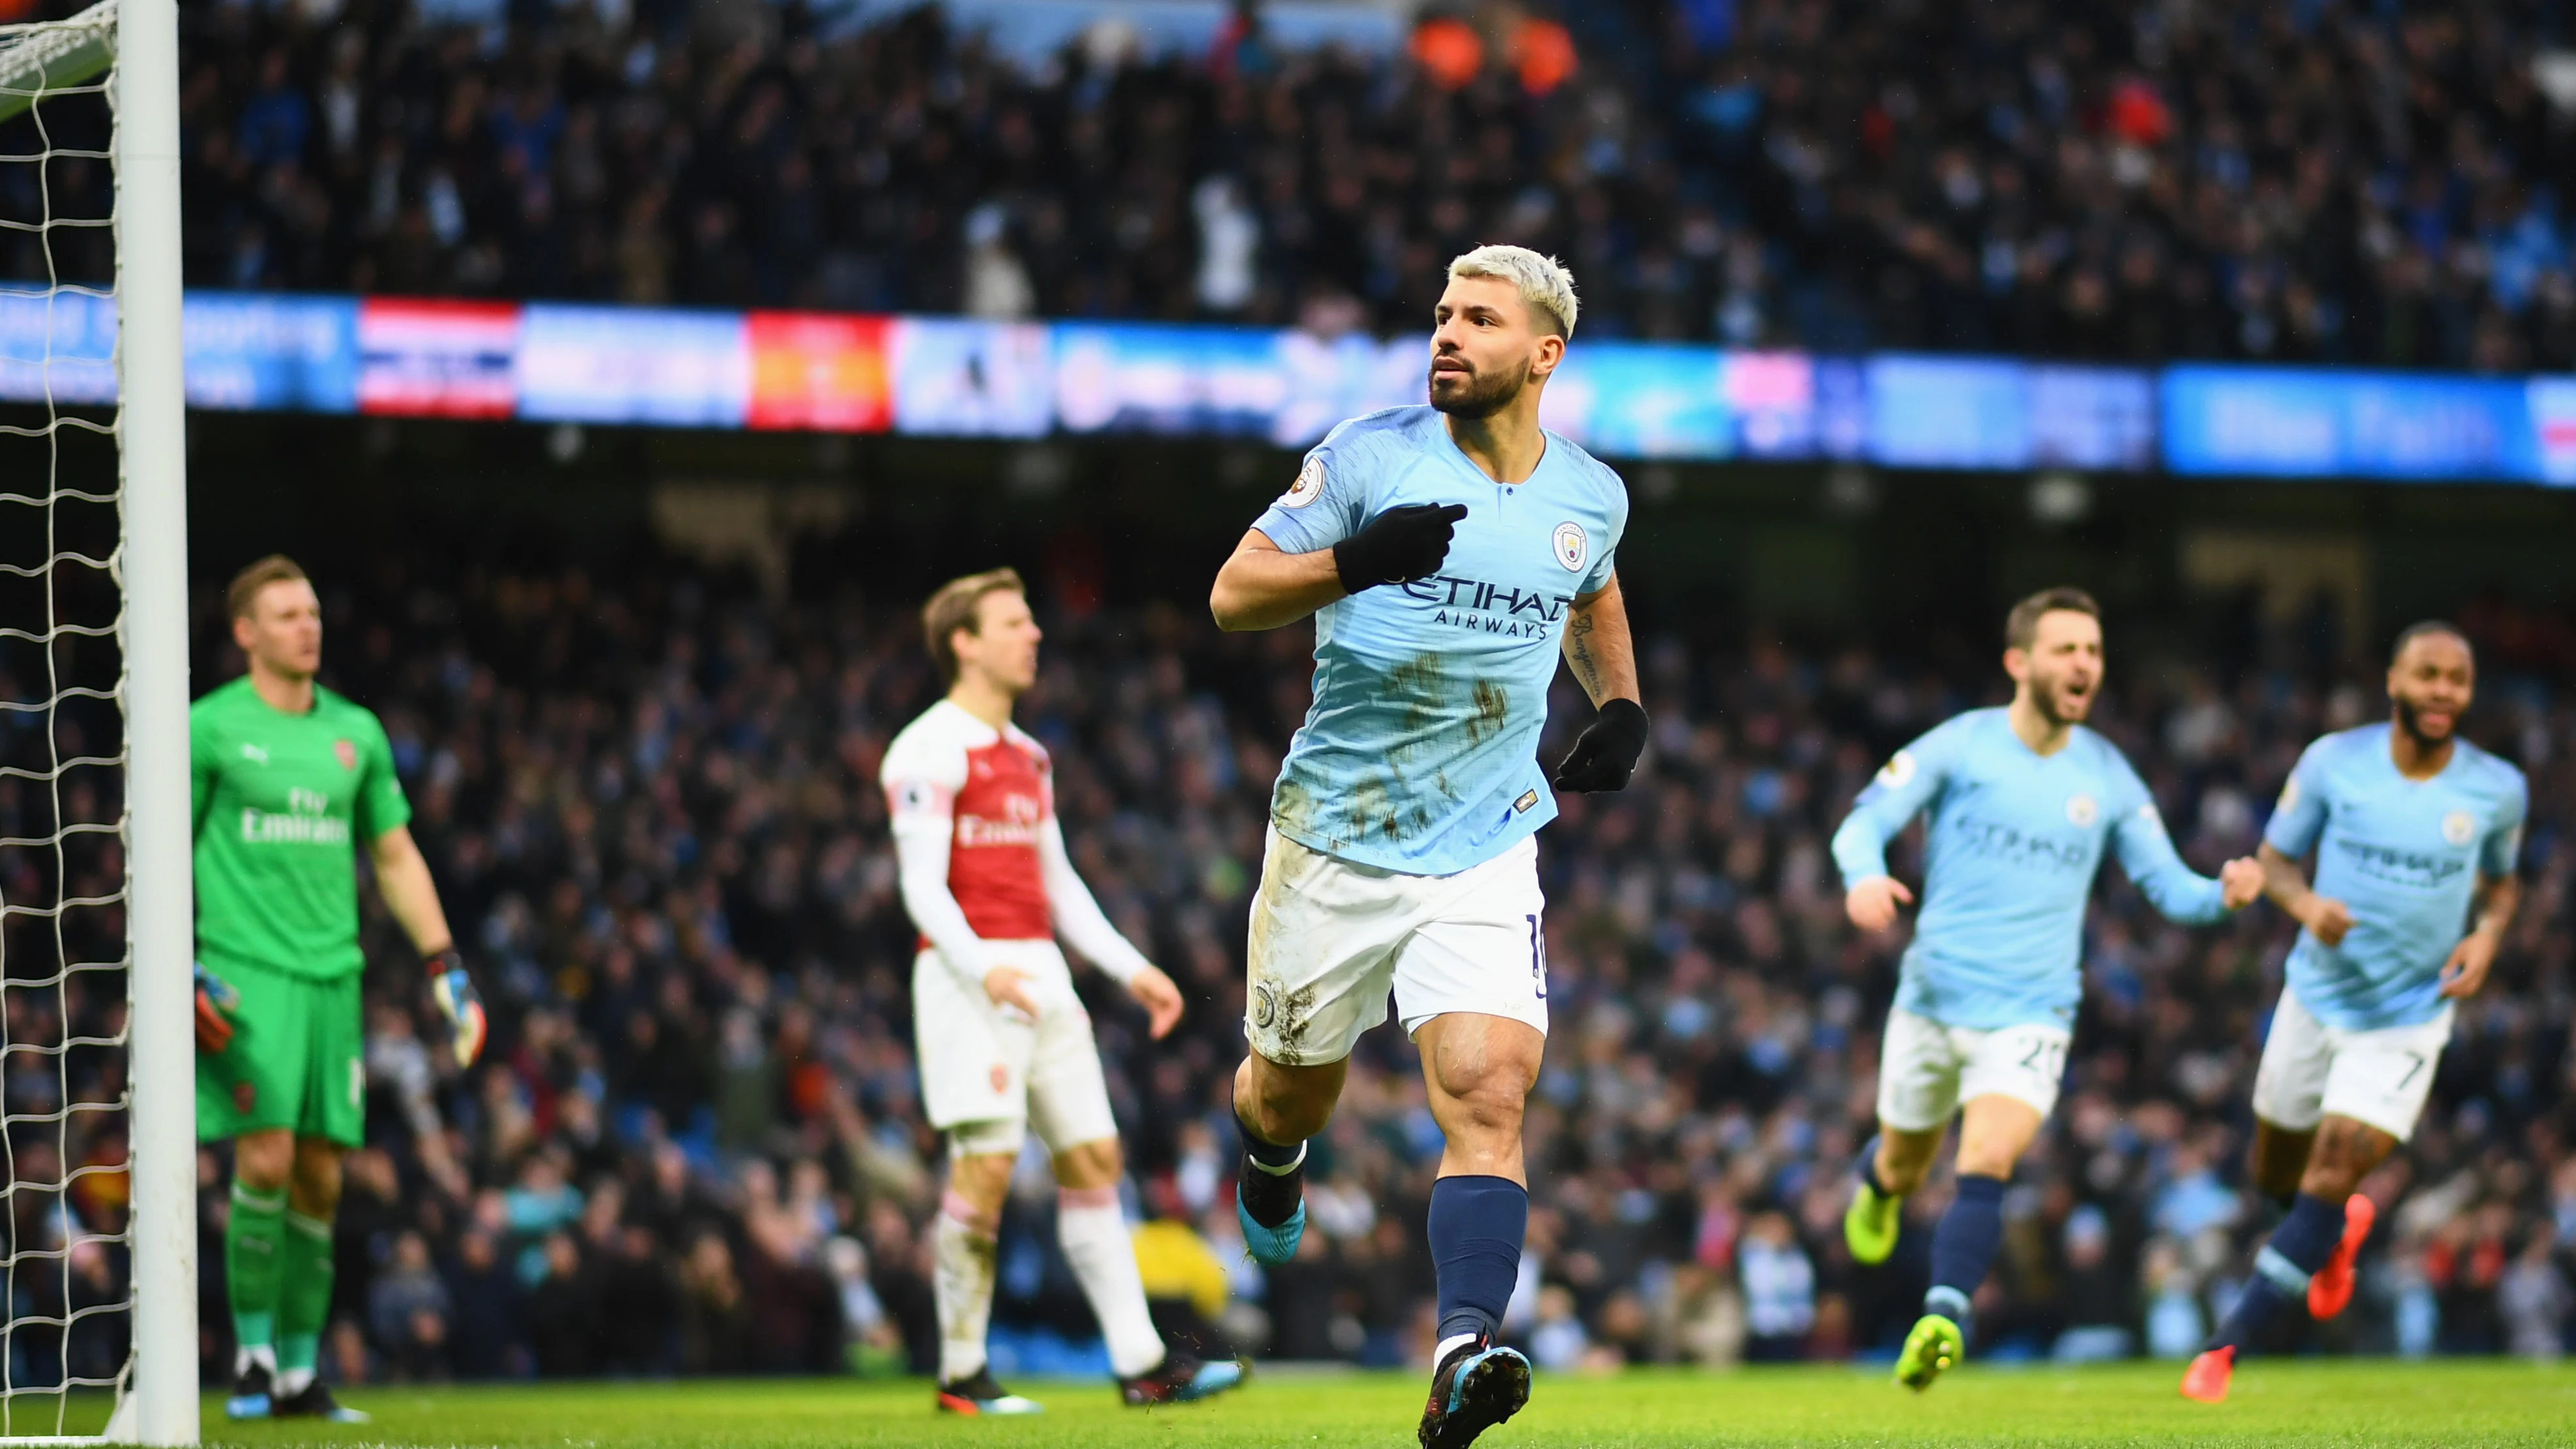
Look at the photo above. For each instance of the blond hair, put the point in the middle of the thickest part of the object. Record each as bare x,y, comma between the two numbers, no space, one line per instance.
959,605
1546,287
241,596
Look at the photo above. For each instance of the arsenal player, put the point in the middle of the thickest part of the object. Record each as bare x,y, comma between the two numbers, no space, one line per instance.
1004,1043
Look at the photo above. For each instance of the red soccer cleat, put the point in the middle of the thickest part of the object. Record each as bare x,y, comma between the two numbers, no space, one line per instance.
2206,1379
2330,1288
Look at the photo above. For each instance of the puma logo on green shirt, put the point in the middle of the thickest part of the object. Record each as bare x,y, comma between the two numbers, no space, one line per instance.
280,802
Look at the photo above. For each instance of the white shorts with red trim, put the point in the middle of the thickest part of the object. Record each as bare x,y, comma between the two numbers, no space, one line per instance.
989,1074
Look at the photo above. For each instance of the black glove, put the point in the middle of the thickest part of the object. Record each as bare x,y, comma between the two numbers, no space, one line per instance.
1606,752
1398,546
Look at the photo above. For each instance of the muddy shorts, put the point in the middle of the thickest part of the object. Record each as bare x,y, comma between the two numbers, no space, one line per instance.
1330,941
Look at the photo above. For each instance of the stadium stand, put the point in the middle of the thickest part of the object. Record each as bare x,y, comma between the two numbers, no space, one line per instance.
2317,181
694,1144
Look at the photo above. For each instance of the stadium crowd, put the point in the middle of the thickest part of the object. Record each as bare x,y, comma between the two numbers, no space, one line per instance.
694,1144
2312,179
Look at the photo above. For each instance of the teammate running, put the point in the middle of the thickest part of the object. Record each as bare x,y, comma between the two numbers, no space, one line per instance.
2022,800
1004,1042
285,777
1448,554
2416,831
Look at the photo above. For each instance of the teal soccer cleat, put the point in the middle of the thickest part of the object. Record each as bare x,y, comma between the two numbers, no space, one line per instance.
1478,1387
1280,1197
1180,1380
1267,1245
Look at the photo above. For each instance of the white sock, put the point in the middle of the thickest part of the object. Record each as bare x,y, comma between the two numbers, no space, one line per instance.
964,1252
260,1355
1103,1254
291,1382
1450,1345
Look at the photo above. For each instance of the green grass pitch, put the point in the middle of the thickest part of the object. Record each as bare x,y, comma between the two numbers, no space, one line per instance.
2275,1404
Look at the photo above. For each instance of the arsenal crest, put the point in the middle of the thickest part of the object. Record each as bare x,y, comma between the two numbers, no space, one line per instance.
347,752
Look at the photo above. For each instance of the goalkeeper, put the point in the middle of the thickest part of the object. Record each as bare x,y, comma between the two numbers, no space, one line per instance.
285,778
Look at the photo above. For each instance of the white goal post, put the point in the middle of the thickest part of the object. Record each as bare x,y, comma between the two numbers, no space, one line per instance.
134,44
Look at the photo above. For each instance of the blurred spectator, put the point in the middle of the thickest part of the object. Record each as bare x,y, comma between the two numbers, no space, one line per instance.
1557,1340
1779,1290
872,1339
490,1337
408,1312
2534,1300
715,1316
563,1311
2097,1301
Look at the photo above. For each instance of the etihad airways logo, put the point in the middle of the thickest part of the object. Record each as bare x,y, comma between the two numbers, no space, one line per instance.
2397,865
2011,845
1489,608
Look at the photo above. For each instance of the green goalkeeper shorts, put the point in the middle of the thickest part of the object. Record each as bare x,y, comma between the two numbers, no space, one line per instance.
297,1060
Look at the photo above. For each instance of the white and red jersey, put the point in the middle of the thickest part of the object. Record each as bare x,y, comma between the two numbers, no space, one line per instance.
979,854
994,791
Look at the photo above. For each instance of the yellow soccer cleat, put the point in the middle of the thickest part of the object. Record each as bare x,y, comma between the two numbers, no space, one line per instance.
1934,1345
1870,1224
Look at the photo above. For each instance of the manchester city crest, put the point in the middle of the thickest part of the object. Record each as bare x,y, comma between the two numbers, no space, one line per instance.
1571,546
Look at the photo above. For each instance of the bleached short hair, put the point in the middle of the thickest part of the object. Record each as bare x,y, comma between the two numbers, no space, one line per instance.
1546,287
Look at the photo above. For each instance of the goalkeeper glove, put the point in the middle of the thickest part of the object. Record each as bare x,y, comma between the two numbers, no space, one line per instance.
1398,546
453,990
216,1003
1606,752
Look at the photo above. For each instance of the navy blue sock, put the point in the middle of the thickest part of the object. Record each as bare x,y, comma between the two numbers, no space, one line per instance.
1869,1168
2297,1249
1476,1228
1963,1246
1262,1150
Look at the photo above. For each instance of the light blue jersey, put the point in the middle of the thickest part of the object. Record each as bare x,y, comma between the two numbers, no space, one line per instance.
2405,856
1420,753
2008,861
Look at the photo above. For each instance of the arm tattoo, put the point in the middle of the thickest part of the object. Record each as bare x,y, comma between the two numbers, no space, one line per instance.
1578,652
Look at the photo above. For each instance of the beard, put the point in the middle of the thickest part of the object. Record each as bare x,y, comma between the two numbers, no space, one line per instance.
2411,720
1477,395
2050,697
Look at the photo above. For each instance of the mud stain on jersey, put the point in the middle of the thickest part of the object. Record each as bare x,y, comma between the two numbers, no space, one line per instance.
1372,808
1292,809
1420,689
1493,707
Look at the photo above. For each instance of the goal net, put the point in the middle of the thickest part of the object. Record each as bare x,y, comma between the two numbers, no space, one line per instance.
97,1161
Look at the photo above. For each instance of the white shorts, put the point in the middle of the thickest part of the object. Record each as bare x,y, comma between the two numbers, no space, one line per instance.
988,1075
1925,1069
2379,1078
1330,939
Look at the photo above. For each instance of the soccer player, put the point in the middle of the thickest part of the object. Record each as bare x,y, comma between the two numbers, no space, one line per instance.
1449,554
2023,801
1004,1043
2415,831
285,779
